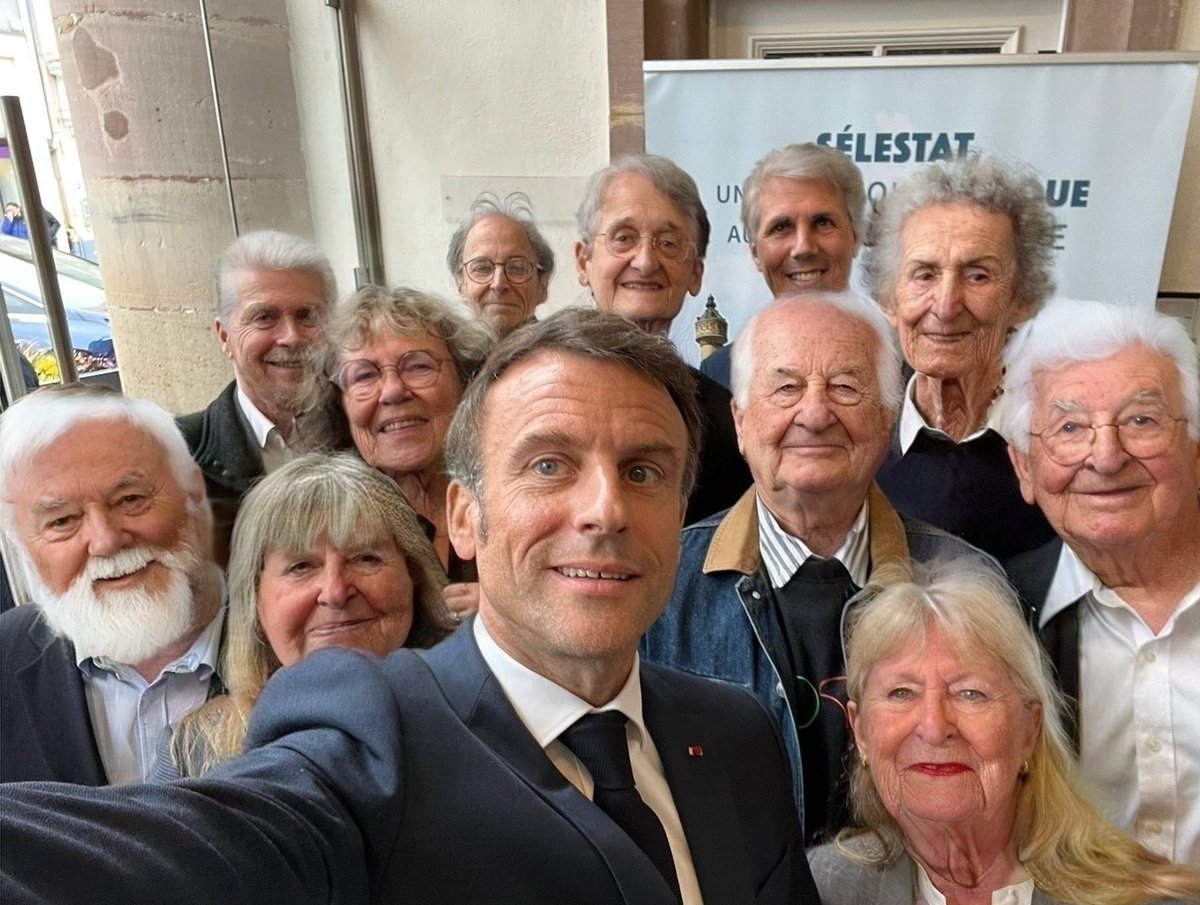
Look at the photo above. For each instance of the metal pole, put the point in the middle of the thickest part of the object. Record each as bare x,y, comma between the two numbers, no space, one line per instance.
363,196
10,362
39,238
212,80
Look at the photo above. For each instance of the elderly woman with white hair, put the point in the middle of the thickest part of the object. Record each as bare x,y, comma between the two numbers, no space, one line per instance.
326,553
962,785
1101,407
958,254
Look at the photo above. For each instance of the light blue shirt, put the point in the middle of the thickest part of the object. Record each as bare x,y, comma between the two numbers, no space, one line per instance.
130,715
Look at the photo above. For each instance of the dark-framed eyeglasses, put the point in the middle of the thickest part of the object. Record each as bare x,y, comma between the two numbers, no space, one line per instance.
363,378
624,241
1143,433
517,269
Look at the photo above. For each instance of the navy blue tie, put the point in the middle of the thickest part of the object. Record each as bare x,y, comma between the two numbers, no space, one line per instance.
598,740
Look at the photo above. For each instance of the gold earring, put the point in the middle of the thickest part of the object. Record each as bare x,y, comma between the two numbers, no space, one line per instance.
1025,768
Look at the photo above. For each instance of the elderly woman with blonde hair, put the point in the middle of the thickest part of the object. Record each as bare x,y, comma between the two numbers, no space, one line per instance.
963,779
326,552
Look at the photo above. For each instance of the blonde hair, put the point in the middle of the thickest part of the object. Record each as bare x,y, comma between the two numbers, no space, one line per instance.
1074,855
350,503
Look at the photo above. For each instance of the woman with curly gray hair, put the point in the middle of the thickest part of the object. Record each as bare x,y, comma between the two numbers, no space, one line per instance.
403,359
958,254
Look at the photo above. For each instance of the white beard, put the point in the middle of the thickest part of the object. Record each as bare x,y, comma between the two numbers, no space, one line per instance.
126,625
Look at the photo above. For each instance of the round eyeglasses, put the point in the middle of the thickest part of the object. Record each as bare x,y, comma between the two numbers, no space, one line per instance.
364,379
624,242
1143,434
517,269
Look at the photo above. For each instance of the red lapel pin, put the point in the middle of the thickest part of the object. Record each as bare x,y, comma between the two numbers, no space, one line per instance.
695,751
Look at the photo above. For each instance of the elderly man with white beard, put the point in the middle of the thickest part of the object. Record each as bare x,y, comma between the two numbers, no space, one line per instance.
107,524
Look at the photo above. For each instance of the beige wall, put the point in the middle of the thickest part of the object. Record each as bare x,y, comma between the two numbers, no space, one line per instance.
496,94
1181,268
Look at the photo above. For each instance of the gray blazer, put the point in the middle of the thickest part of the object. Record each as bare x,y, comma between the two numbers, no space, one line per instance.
844,882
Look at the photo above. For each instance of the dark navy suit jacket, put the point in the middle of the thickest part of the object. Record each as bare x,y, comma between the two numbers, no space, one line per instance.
411,779
45,727
224,446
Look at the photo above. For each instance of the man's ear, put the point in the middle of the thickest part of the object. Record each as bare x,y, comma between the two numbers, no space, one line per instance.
222,337
737,425
1024,472
697,276
581,263
462,520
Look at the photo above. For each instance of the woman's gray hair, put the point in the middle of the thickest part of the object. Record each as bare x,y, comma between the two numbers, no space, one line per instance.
887,353
585,333
345,500
1067,331
665,175
981,180
376,312
269,249
516,207
807,161
1072,852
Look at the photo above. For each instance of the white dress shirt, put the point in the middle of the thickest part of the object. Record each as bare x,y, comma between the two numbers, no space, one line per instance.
784,554
130,715
1018,892
271,442
548,710
1139,711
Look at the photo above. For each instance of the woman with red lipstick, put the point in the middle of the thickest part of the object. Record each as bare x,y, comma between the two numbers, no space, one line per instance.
962,781
325,553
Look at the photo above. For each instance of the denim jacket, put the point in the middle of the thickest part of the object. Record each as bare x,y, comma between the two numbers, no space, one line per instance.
719,622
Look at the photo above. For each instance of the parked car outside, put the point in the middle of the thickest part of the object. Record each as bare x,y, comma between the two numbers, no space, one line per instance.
83,301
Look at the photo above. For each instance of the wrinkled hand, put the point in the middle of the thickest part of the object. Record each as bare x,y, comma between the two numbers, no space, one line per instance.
462,599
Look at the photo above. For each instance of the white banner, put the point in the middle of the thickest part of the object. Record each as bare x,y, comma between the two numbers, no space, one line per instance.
1106,137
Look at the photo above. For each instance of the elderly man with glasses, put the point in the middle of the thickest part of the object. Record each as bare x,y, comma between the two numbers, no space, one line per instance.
1101,409
500,262
643,233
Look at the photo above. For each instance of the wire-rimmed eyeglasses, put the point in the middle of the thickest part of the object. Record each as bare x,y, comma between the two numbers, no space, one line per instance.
1143,433
364,378
517,269
624,241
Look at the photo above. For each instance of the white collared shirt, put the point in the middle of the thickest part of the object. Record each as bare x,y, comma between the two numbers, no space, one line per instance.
912,422
259,423
130,715
783,554
548,710
1139,711
1019,891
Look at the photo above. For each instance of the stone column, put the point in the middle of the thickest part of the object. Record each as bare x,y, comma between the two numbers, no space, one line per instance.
138,83
1106,25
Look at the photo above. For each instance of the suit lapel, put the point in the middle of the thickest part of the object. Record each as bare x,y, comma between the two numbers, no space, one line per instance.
55,710
475,695
701,793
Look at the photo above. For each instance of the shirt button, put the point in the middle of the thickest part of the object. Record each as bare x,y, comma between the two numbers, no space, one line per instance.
1154,745
779,690
1149,656
1153,827
756,595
